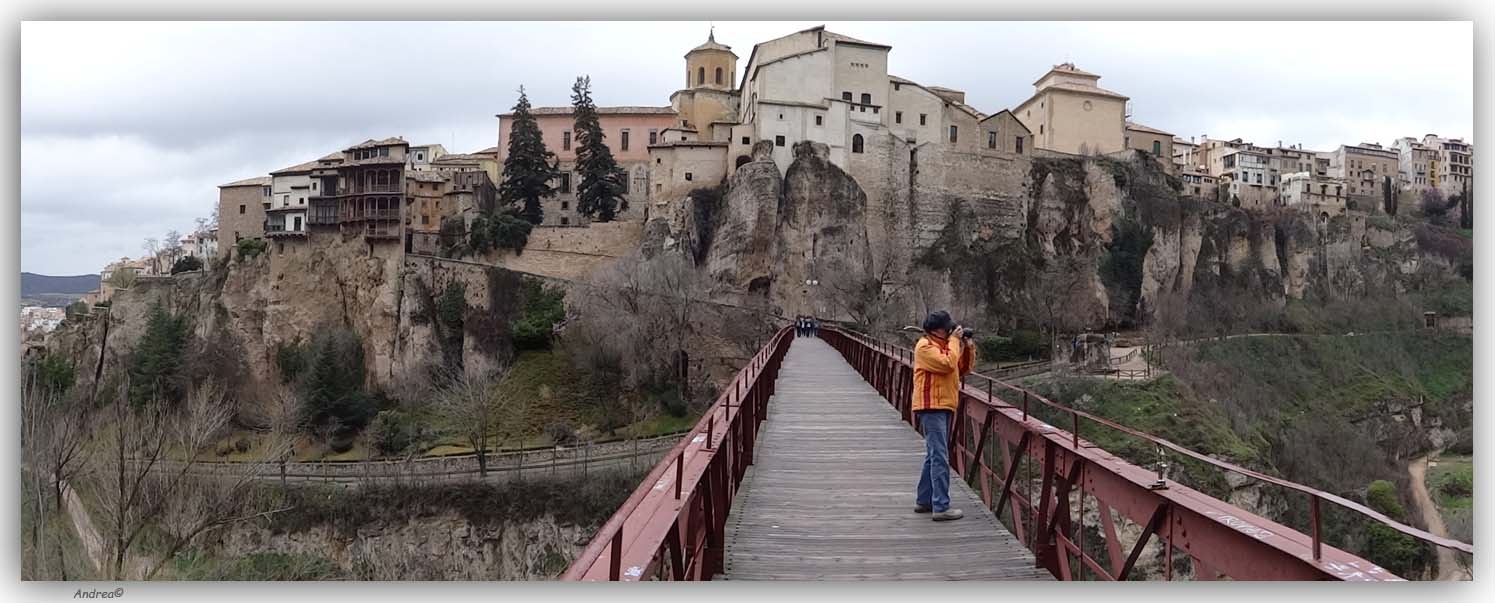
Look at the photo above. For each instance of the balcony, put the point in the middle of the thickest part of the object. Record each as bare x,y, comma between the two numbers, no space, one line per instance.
280,230
375,230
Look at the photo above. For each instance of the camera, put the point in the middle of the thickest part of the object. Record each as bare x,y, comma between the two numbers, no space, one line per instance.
967,332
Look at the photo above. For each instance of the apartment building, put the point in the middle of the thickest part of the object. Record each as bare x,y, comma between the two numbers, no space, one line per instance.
241,209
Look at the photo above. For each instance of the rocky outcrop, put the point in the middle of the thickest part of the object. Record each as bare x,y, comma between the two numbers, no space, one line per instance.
254,304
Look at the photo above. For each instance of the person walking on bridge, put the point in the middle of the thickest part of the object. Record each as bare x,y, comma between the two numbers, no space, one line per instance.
941,358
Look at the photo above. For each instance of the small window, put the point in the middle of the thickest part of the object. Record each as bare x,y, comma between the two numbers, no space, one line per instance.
565,221
897,117
658,161
420,156
1019,141
425,220
689,176
952,133
819,120
923,119
866,98
846,96
1157,147
991,140
314,185
856,143
383,151
623,140
781,117
718,75
653,136
565,205
265,192
241,209
1040,128
566,140
565,183
700,75
745,140
897,86
778,141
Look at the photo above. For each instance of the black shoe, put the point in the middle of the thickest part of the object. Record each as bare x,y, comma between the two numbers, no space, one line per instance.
922,509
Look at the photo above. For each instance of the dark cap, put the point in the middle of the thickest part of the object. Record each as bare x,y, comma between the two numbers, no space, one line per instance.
939,319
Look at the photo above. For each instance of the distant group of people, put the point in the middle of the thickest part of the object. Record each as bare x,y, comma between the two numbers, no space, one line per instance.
806,326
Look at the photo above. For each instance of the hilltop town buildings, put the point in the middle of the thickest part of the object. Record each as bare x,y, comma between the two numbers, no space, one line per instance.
1444,164
626,130
818,86
241,209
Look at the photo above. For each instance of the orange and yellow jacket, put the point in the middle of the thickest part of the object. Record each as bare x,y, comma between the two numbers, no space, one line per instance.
939,364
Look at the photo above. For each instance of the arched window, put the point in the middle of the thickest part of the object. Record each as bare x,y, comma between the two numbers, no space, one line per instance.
866,98
700,75
718,75
856,143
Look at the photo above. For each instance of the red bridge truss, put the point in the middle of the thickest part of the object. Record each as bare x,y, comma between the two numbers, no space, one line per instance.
1040,479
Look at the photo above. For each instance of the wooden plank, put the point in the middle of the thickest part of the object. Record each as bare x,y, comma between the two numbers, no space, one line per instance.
830,495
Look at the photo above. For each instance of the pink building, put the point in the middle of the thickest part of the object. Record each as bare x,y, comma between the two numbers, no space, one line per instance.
628,131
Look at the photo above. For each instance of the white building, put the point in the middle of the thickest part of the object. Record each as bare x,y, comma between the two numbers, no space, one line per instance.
419,158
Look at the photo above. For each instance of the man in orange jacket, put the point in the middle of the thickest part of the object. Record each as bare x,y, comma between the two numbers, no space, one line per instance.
941,358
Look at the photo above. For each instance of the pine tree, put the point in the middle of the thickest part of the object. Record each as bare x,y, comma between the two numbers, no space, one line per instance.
599,195
529,167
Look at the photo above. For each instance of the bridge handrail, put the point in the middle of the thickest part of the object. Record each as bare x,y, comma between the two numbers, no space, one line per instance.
906,355
694,531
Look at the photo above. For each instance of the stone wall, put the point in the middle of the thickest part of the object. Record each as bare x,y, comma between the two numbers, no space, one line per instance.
571,253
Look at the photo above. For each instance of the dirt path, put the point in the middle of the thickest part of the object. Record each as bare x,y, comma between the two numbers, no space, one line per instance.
1448,564
83,525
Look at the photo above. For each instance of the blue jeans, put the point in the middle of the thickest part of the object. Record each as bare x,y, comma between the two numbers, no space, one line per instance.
934,482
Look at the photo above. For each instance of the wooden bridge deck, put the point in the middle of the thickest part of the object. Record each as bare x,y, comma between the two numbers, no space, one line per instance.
830,495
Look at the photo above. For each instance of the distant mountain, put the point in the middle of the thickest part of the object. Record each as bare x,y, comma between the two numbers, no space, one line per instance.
36,285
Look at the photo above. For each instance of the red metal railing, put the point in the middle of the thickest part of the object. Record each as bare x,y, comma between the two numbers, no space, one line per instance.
671,527
1220,539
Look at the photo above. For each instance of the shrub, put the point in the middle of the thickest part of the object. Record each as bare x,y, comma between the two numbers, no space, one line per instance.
123,278
1397,552
75,310
1024,344
499,231
544,307
560,433
55,373
394,431
249,248
1381,496
1458,485
186,264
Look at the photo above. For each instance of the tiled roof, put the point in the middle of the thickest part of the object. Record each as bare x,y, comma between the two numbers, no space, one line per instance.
296,169
378,143
426,176
487,151
566,110
711,44
845,38
1096,90
1131,125
255,181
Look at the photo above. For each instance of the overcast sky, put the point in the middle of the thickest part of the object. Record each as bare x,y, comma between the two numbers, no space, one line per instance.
128,128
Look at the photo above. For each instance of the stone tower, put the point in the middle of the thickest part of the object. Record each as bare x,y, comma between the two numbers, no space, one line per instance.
707,105
711,65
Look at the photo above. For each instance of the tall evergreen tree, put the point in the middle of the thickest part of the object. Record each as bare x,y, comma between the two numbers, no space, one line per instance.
1466,209
529,167
599,195
1388,197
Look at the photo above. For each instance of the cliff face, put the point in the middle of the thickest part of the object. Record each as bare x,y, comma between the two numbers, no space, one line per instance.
254,304
988,224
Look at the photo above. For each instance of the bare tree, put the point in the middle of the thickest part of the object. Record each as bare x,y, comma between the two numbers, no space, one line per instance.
870,297
149,479
1051,291
474,408
171,247
52,452
152,248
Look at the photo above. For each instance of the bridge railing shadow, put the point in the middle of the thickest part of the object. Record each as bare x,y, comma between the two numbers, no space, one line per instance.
1216,539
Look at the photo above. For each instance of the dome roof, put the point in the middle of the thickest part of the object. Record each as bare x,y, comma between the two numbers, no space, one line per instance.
711,44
